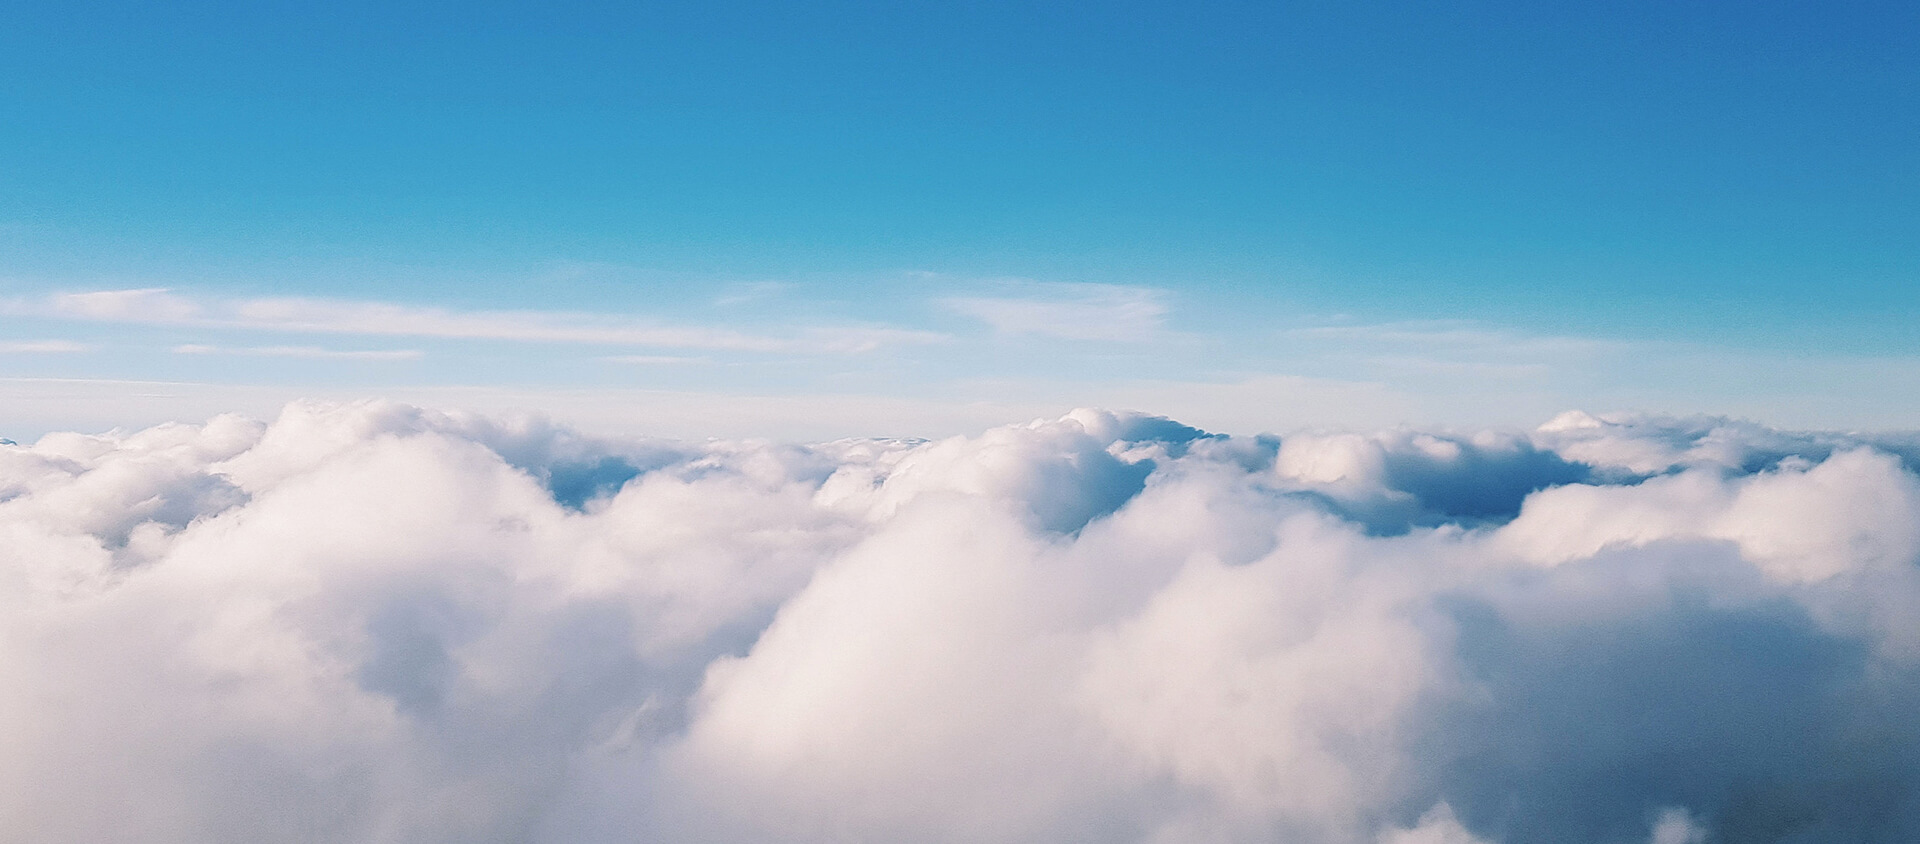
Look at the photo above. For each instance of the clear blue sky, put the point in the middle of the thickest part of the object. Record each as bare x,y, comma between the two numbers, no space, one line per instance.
1237,192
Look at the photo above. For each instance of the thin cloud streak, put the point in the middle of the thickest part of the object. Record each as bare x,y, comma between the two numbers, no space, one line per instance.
1071,311
652,360
46,347
314,352
1456,336
161,306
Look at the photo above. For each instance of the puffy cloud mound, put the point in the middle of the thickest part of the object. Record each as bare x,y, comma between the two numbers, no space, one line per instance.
376,623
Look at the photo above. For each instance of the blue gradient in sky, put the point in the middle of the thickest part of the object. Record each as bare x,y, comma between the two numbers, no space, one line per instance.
1740,179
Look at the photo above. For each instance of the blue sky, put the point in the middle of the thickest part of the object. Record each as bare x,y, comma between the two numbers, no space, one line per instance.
813,219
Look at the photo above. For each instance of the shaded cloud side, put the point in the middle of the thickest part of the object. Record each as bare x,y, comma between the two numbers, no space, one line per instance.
375,622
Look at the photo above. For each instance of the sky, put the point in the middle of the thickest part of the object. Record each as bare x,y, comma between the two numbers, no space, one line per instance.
829,219
1466,423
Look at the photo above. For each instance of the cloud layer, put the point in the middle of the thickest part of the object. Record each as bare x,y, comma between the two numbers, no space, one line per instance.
373,622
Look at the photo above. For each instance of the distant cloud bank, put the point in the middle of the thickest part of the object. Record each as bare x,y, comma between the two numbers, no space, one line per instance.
374,622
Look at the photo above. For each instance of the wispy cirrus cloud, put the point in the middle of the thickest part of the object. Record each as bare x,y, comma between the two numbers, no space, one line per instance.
1449,348
741,294
313,352
162,306
42,347
1454,336
653,360
1071,311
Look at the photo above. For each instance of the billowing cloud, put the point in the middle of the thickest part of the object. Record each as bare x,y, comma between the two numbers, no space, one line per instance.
373,622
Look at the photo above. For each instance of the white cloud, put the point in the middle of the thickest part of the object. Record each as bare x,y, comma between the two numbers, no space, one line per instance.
653,360
36,347
1072,311
1677,826
374,622
158,306
1451,349
741,294
1245,406
315,352
1453,334
1437,826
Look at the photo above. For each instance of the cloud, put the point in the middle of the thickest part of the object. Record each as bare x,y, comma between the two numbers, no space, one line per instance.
1450,348
1071,311
741,294
1453,334
158,306
653,360
36,347
376,622
1437,826
315,352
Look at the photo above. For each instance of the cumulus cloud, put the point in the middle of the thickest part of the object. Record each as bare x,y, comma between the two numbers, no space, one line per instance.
375,622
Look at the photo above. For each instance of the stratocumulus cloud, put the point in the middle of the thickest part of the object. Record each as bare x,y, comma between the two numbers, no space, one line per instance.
373,622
